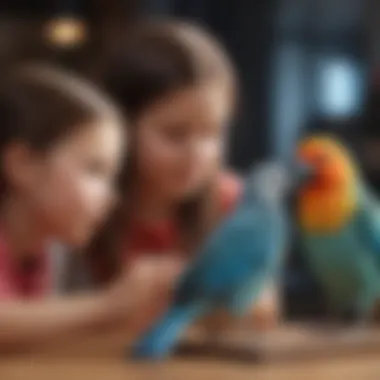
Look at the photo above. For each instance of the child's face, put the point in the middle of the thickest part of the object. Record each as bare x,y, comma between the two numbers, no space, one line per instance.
70,189
179,141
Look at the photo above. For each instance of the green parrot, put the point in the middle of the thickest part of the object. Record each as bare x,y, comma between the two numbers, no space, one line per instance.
339,220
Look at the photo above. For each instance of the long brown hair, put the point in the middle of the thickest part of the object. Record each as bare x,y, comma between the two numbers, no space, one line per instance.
156,59
41,105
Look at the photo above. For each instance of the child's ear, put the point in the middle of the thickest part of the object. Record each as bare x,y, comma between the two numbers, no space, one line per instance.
19,165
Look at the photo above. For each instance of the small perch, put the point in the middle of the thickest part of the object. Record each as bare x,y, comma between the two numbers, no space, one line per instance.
292,342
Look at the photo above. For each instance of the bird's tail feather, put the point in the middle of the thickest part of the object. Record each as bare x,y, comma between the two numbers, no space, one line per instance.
161,339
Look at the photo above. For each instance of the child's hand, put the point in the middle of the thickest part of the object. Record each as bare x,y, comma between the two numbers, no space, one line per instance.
161,271
159,274
118,299
132,288
265,314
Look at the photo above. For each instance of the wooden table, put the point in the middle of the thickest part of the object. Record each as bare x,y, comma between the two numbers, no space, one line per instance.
101,358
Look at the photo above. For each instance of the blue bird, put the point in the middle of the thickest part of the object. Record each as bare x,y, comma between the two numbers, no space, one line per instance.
234,264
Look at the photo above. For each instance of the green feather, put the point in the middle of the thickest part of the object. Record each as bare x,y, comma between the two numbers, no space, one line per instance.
347,262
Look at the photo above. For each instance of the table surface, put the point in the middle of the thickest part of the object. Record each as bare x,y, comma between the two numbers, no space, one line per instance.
101,358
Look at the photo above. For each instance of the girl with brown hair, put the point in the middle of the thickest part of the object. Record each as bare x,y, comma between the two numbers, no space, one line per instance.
178,87
61,143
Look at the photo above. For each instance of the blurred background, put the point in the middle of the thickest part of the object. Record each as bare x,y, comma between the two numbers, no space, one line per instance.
304,65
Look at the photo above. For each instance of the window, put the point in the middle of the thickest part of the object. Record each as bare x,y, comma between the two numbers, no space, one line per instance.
338,87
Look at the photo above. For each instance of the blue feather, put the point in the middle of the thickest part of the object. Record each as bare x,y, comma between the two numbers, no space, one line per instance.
367,221
159,341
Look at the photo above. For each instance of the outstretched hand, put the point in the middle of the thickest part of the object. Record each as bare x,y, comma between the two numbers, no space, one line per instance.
153,280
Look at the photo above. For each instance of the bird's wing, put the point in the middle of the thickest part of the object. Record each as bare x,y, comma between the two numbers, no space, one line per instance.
367,222
240,248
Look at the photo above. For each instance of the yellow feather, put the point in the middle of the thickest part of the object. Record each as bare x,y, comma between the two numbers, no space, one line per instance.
326,212
328,208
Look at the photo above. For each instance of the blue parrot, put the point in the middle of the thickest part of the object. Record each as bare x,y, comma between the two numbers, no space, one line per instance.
233,265
339,222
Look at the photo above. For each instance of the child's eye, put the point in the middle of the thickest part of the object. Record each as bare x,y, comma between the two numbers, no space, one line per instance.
176,134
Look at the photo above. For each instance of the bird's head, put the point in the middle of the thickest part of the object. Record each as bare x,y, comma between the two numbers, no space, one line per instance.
326,201
330,164
273,180
268,179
